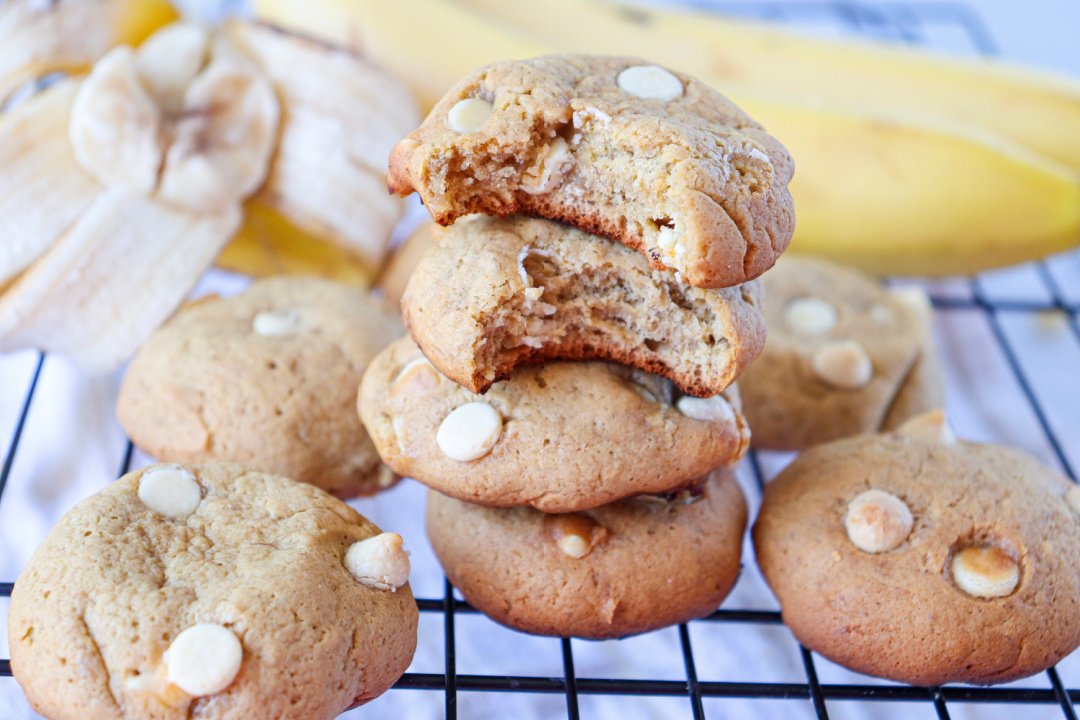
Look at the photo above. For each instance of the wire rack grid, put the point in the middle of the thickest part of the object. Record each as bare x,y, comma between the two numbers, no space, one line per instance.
1001,303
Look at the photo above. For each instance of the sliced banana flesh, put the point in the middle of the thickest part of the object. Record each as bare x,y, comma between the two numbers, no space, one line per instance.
116,126
169,60
43,189
119,272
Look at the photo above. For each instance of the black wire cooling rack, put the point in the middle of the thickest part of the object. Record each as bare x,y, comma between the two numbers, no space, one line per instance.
909,23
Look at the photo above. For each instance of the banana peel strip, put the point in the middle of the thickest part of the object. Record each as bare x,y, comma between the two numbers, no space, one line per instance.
43,189
119,272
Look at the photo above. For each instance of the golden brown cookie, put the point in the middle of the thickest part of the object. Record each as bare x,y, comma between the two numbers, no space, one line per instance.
266,378
914,557
395,273
844,356
612,145
560,437
211,591
496,294
617,570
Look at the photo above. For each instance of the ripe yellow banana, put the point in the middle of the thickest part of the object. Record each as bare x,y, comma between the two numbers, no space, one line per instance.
70,35
124,266
893,193
1036,110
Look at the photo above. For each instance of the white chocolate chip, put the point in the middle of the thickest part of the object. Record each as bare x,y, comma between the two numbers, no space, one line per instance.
379,562
843,364
204,659
1073,498
468,115
470,431
650,82
929,427
759,155
271,323
811,316
985,572
545,175
575,534
714,409
877,521
881,314
170,490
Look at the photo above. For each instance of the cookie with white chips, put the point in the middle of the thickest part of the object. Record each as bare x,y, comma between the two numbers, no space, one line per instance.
923,559
561,437
211,591
844,356
616,570
615,146
266,378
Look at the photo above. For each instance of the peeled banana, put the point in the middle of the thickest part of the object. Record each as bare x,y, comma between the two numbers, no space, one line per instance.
892,192
37,38
119,188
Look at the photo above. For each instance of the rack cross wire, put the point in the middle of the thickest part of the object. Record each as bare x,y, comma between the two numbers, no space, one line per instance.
902,22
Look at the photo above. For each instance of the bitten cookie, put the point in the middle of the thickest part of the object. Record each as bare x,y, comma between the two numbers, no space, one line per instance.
211,591
920,559
844,356
496,294
617,570
560,437
653,159
266,378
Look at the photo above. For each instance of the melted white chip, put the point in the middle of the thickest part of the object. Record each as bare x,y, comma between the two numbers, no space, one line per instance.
170,490
843,364
204,659
470,431
931,427
650,82
271,323
468,115
985,572
811,316
379,562
714,409
877,521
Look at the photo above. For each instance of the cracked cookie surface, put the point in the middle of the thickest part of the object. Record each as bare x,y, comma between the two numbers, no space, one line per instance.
499,293
678,173
266,378
648,562
901,611
794,398
115,583
573,435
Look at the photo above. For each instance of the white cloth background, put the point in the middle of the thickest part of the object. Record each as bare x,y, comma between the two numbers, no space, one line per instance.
71,446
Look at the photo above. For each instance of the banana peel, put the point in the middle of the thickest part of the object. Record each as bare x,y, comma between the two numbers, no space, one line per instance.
69,36
890,192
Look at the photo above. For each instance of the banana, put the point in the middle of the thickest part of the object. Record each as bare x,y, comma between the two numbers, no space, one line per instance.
342,118
428,44
1036,110
43,189
37,37
891,192
210,152
124,266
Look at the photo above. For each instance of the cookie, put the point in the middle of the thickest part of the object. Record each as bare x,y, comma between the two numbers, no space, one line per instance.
496,294
650,158
394,275
560,437
266,378
844,356
918,558
617,570
211,591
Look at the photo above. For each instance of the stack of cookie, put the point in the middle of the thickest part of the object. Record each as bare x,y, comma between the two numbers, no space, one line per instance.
626,211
